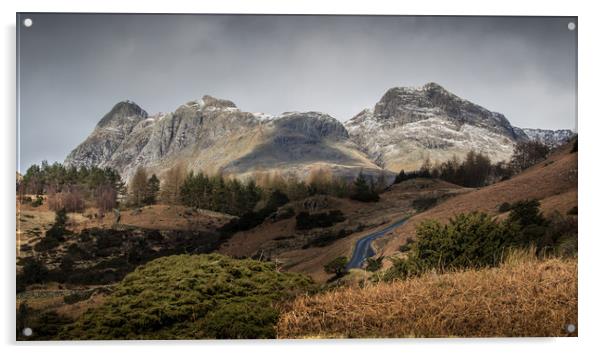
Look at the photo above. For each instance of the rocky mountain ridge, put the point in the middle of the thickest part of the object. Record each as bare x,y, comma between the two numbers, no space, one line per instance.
552,138
214,136
404,128
409,125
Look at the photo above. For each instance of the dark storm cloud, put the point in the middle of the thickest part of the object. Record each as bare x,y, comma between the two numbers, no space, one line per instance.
74,68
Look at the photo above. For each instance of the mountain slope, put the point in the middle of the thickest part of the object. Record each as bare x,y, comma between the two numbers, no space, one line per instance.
409,125
552,138
553,182
214,136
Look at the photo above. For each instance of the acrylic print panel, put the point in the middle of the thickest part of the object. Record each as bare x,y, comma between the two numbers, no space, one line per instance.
251,176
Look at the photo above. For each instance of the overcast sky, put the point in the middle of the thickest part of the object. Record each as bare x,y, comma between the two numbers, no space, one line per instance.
74,68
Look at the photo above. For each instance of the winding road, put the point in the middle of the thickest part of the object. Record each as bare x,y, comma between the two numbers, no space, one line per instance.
363,246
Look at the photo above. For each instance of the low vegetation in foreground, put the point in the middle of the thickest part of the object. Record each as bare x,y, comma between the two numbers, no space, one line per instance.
192,297
523,297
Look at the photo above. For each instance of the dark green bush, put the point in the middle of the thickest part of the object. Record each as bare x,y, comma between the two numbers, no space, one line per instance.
307,221
34,271
241,321
327,238
468,240
190,297
45,325
337,266
477,240
530,224
374,264
504,207
406,246
423,204
560,237
572,211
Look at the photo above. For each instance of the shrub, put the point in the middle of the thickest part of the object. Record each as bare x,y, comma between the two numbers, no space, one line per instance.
37,202
192,297
46,244
337,266
530,224
46,325
34,271
504,207
327,238
406,246
572,211
423,204
241,320
374,264
468,240
560,237
307,221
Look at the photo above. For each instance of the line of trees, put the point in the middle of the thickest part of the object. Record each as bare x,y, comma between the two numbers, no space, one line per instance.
68,187
477,170
73,189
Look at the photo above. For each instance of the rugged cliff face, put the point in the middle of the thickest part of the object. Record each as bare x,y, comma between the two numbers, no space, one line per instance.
552,138
213,135
409,125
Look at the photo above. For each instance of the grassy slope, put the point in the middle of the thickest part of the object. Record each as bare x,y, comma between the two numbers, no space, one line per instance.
524,298
553,182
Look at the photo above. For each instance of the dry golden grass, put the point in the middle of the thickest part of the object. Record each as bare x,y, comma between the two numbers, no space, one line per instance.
524,297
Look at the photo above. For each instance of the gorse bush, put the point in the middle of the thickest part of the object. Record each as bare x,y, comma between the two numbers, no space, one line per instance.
191,297
374,264
337,266
477,240
468,240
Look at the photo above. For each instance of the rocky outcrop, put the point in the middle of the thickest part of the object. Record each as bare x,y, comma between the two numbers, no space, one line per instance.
409,125
552,138
214,136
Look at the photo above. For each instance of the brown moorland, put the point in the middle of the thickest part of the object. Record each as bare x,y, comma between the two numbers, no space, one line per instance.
525,297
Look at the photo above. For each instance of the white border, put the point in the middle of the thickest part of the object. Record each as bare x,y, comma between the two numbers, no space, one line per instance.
590,128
